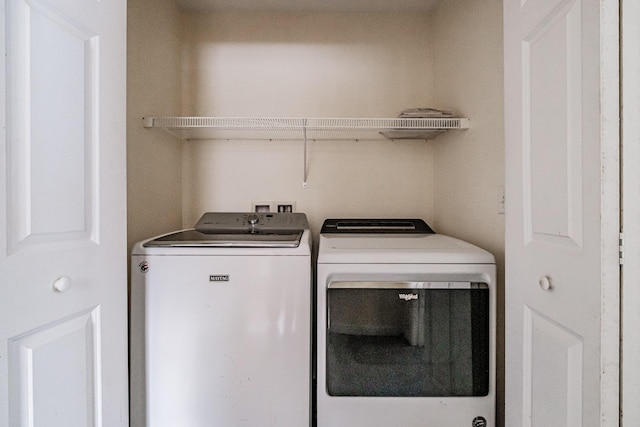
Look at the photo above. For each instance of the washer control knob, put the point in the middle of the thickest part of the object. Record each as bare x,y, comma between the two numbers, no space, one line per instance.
253,219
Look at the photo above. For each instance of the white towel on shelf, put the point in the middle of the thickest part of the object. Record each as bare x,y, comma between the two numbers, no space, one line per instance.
418,113
425,113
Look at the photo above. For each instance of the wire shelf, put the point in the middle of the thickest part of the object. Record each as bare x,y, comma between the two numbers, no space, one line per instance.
304,129
293,128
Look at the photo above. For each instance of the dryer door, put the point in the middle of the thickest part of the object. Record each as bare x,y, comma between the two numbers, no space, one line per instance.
407,339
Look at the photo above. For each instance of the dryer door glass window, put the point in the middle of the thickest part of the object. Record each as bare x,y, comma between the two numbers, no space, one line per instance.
428,339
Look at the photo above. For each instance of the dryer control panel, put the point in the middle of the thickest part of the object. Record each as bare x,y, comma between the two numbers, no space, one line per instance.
375,226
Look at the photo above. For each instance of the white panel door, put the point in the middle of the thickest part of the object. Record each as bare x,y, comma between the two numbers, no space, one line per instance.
63,285
631,211
562,211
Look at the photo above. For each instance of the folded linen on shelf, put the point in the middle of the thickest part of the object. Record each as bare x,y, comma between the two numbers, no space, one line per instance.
425,113
418,113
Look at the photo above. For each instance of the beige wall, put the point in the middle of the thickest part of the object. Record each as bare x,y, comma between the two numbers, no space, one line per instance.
154,165
469,166
154,158
307,65
320,65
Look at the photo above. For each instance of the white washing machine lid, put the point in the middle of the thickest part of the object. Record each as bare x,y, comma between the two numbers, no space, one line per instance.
259,239
302,249
391,248
219,233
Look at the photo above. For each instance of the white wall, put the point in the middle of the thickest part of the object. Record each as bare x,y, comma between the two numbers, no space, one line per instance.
313,65
154,165
469,166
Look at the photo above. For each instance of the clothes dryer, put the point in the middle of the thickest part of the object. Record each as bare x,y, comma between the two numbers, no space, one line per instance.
221,323
405,327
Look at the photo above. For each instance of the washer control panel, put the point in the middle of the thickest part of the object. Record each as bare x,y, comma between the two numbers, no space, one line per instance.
215,222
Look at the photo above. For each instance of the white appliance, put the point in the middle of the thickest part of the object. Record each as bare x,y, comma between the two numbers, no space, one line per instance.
227,323
406,323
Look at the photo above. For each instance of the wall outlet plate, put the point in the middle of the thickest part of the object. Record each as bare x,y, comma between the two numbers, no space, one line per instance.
273,206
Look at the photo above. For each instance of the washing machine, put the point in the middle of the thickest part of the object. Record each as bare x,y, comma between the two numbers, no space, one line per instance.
406,327
221,323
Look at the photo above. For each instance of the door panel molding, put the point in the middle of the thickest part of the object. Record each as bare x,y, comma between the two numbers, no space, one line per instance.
557,351
53,104
552,123
62,356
